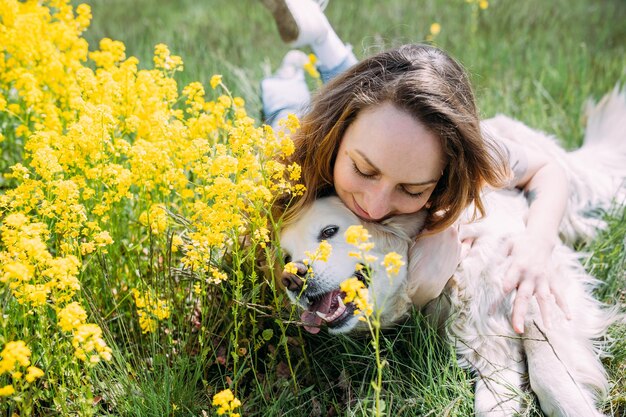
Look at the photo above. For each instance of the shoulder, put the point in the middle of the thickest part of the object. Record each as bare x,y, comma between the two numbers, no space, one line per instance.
499,133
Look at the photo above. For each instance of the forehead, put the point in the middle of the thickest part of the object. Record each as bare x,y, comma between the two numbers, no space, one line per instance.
395,142
322,213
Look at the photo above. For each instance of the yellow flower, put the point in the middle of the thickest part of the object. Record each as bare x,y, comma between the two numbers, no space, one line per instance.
7,390
215,81
309,67
290,268
155,218
33,373
88,340
166,61
356,235
150,309
435,28
71,316
357,293
226,402
12,354
322,252
483,4
392,263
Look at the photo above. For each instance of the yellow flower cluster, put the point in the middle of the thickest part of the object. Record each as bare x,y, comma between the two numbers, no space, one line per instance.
357,293
14,356
290,268
89,344
227,403
110,154
310,68
321,253
29,269
86,337
358,236
32,33
155,219
392,263
150,310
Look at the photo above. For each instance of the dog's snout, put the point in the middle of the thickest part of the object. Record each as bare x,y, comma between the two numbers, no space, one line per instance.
294,282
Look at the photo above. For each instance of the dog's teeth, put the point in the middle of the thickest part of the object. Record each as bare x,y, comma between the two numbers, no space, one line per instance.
340,309
321,315
341,304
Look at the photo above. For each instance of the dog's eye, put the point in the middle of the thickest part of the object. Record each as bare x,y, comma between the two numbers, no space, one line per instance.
287,259
328,232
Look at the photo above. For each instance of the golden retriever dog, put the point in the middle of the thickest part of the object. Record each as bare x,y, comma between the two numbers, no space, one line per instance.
560,362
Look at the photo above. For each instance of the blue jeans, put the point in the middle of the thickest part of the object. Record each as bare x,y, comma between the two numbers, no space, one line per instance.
281,96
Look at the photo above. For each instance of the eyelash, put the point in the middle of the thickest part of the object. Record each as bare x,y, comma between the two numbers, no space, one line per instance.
360,173
370,176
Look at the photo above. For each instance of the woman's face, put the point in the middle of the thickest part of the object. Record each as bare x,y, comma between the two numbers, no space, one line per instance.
388,163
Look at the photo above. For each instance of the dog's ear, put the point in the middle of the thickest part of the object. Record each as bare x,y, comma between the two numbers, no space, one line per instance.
406,225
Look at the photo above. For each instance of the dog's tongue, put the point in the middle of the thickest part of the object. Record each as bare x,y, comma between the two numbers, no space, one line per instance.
312,321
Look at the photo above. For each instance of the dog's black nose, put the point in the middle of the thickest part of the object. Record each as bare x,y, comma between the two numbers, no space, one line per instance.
294,282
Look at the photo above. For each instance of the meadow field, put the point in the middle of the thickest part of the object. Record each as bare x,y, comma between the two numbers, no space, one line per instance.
137,244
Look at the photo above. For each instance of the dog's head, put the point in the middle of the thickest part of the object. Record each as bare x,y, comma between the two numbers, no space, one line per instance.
318,293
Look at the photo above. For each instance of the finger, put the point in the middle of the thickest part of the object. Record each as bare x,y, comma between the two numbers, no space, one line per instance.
520,306
560,301
511,279
544,299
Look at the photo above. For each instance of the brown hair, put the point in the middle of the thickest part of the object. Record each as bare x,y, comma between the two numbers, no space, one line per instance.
426,83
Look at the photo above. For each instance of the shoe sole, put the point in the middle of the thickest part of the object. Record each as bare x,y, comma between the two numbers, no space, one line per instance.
286,24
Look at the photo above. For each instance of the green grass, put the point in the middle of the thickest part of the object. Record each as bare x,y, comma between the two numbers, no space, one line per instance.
534,60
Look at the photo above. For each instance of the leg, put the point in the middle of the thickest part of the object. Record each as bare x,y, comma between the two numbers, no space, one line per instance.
286,91
303,23
500,369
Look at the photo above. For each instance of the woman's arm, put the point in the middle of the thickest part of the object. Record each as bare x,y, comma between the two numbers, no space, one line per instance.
545,185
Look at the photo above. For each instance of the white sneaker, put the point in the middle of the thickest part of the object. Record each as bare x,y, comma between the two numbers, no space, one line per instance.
292,65
299,22
286,91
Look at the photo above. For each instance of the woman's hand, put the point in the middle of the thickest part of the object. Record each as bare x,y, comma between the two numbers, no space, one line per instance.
432,260
530,274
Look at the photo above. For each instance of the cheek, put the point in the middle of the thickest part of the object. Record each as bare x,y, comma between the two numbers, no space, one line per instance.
345,180
410,205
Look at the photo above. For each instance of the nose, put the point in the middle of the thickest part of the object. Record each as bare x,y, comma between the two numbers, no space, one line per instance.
378,202
294,282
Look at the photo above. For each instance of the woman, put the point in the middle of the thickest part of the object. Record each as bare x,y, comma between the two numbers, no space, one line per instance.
399,132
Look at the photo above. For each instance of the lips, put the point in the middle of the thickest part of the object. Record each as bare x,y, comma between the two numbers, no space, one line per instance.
360,212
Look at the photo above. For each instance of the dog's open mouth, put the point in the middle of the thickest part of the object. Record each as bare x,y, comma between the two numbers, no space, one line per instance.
329,308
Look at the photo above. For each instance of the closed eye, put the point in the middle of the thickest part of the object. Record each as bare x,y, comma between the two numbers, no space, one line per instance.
372,176
410,194
361,173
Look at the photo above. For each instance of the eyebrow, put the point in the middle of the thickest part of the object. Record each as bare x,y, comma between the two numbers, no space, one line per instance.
366,159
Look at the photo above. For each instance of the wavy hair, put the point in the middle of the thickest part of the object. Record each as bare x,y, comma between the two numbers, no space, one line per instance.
427,84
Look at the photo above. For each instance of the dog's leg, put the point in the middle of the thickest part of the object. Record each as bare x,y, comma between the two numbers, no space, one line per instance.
500,369
564,371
